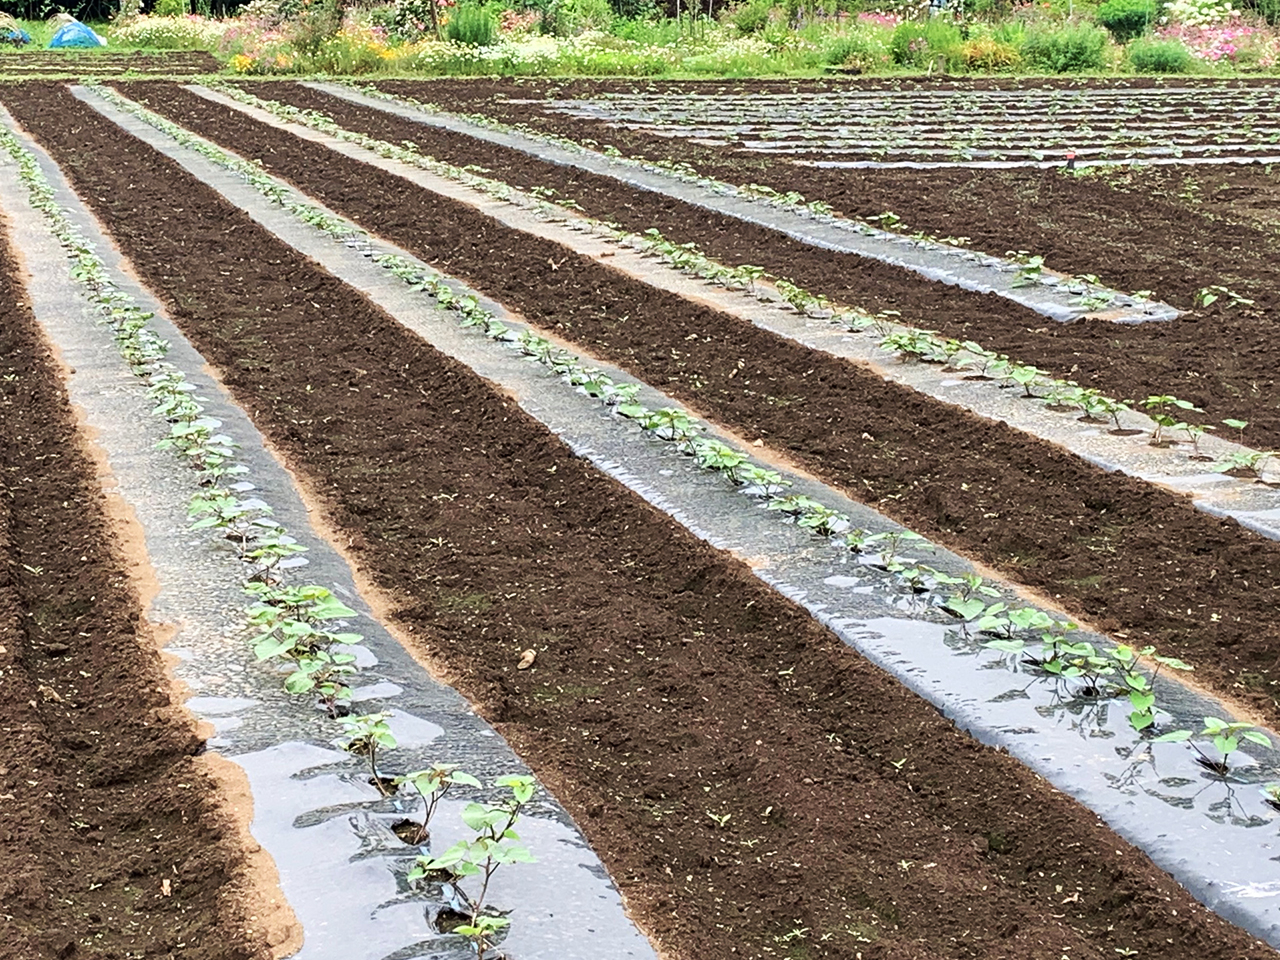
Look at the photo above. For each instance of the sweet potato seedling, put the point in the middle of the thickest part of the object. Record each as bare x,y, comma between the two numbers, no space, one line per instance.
1225,737
366,734
432,784
494,843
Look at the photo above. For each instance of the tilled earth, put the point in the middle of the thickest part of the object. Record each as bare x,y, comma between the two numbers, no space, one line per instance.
1173,230
850,820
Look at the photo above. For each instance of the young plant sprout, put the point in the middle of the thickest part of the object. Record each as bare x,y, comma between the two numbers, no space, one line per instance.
1158,408
1194,432
1109,407
907,343
1084,662
1026,376
748,275
1238,426
762,481
714,455
885,321
1030,267
982,359
1242,461
365,735
891,544
1207,296
1140,688
886,220
1225,737
823,520
796,504
322,671
269,552
495,842
966,608
432,784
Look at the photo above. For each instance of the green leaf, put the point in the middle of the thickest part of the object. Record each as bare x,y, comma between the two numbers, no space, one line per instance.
448,859
511,854
1142,701
1258,737
330,609
272,646
1141,719
965,609
1174,736
299,682
479,817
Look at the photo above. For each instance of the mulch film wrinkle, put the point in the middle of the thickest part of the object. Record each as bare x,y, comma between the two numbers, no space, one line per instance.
1110,549
851,820
1170,230
111,841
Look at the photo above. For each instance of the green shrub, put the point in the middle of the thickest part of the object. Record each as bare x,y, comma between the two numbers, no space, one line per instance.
752,16
862,51
1269,10
473,25
917,44
569,18
1127,19
1012,32
1069,49
1160,56
170,8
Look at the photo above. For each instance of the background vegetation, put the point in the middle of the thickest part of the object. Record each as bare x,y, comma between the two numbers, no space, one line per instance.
692,38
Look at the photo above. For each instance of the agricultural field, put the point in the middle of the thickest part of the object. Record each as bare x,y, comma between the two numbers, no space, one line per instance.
739,519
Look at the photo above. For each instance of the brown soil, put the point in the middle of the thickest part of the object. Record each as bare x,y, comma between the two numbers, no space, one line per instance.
1173,230
670,683
1093,542
170,63
103,800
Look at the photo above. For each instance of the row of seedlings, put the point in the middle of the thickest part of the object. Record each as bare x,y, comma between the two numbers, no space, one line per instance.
1165,410
297,625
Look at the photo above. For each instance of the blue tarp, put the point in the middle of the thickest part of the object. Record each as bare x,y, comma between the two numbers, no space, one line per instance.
76,35
17,36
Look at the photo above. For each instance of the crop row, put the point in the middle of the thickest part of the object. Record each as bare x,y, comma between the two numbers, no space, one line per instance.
297,625
911,106
1030,270
736,659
